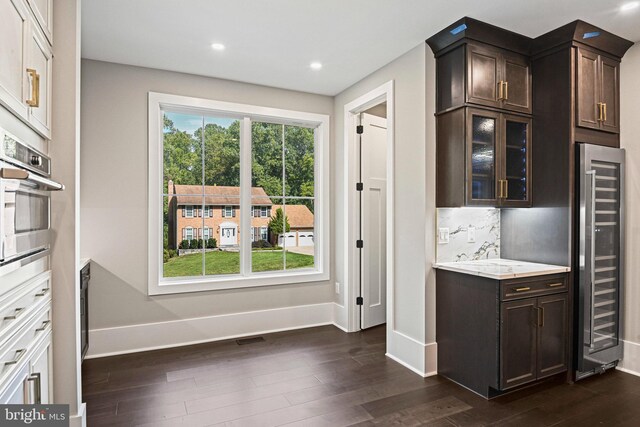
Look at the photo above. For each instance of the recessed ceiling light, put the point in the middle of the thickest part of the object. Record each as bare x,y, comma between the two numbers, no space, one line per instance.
629,6
217,46
315,65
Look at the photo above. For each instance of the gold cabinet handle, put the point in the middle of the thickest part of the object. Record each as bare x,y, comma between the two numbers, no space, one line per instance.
604,111
540,316
506,188
599,111
554,285
523,289
35,88
499,189
500,90
506,91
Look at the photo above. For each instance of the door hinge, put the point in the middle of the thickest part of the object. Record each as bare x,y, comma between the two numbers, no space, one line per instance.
359,244
359,129
359,186
359,301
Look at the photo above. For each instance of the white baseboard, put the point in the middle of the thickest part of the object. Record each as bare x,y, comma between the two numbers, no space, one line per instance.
175,333
431,359
630,362
339,318
80,419
407,351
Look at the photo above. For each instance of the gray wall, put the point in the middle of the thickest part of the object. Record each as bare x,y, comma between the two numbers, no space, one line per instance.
414,214
630,140
114,195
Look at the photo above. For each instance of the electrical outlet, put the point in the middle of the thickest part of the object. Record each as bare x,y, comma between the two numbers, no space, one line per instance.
338,288
443,236
471,234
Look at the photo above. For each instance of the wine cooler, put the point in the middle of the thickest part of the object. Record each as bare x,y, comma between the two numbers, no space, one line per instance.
600,258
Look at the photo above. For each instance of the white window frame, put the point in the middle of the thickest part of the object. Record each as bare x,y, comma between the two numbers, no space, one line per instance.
188,228
264,233
186,211
224,212
157,285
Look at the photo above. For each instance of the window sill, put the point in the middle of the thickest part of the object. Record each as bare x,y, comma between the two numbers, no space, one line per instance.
187,285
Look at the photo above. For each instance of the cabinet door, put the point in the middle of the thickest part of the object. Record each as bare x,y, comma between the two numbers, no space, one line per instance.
587,90
16,393
518,342
552,334
517,83
41,373
482,76
482,145
609,94
40,60
42,10
516,161
13,40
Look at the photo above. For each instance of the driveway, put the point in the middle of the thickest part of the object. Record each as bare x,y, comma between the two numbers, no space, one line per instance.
304,250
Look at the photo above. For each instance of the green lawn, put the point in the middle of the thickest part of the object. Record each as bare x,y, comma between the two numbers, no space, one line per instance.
221,262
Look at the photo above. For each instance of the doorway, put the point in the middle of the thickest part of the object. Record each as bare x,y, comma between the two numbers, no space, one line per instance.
368,211
372,195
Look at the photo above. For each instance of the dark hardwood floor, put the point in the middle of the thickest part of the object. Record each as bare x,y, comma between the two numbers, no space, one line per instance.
324,377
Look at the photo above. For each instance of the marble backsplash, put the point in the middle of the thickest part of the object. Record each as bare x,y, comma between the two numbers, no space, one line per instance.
458,220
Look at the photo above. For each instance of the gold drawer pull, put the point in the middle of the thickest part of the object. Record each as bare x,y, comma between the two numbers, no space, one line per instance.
43,292
522,289
554,285
19,355
500,90
44,326
35,88
16,313
506,91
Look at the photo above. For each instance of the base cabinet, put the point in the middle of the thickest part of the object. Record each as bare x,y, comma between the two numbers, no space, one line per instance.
533,339
496,335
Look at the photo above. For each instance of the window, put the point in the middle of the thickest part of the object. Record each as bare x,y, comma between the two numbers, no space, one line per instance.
188,233
264,170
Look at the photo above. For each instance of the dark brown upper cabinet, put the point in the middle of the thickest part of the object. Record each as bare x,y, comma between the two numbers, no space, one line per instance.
482,65
597,91
578,64
483,159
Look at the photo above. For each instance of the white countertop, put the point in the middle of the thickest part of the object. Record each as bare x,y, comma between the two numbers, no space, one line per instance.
501,269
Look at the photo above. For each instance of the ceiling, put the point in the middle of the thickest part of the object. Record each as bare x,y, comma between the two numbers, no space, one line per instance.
273,42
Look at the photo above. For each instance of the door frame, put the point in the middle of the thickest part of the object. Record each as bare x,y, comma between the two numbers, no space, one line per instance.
383,93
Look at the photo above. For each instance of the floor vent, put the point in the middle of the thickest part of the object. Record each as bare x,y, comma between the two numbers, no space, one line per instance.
245,341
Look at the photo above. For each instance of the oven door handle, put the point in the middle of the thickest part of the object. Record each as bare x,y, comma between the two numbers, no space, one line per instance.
7,173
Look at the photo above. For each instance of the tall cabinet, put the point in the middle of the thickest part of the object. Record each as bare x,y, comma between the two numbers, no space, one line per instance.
26,59
483,116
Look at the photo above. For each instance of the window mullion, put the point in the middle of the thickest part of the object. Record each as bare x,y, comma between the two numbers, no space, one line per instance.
245,197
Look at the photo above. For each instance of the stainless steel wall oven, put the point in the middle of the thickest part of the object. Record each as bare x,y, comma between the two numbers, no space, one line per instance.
25,201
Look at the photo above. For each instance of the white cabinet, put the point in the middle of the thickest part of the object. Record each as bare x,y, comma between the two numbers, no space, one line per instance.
42,10
25,65
40,373
16,393
14,33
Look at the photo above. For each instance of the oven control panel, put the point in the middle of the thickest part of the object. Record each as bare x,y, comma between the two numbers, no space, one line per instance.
20,154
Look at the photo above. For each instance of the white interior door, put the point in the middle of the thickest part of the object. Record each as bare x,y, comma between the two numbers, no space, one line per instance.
374,217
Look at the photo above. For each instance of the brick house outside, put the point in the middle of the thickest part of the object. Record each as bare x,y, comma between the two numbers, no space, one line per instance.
219,218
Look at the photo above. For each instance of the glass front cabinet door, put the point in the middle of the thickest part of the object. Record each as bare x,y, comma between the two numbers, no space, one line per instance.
498,159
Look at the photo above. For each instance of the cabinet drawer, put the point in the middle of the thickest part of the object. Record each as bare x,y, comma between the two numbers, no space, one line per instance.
17,349
22,302
533,287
